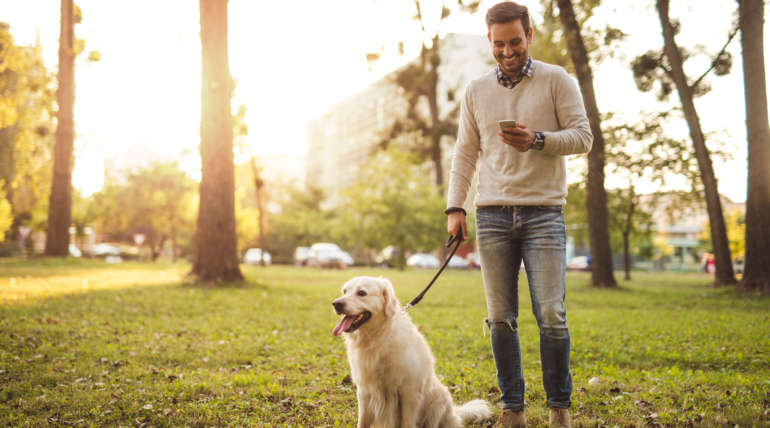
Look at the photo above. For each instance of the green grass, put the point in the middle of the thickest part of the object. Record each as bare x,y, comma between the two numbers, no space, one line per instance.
89,344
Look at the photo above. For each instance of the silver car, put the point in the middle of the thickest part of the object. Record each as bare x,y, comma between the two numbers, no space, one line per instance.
328,255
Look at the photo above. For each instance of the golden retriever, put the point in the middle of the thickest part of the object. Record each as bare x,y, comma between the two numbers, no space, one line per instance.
391,363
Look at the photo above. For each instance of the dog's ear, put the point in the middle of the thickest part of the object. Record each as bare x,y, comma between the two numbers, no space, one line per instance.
390,302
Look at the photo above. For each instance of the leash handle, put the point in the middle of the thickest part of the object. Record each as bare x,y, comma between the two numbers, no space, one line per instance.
457,240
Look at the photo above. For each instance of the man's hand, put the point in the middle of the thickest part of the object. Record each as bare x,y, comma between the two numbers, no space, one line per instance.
455,221
520,138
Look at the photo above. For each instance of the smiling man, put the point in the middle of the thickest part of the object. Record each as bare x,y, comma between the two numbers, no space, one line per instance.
521,190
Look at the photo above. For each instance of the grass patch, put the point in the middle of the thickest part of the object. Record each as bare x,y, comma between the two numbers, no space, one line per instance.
86,343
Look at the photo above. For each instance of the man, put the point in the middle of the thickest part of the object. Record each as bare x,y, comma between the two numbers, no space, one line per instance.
521,190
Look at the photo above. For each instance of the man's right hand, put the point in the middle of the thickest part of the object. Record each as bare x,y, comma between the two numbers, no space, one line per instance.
455,221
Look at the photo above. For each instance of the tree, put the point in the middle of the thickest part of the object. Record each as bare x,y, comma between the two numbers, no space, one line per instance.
301,221
26,106
756,274
639,153
161,192
668,67
156,201
596,196
392,204
240,130
420,83
6,217
216,256
60,203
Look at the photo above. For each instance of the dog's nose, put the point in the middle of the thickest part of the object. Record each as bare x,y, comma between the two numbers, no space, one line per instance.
339,306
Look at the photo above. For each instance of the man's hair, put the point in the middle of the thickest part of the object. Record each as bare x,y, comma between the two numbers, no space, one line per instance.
508,11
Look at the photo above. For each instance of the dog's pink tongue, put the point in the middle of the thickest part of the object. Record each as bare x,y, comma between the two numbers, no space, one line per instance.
344,324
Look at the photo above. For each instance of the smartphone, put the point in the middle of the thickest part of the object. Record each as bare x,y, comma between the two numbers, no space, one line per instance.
506,124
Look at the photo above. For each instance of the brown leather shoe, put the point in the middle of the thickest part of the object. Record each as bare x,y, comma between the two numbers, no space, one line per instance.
559,419
510,419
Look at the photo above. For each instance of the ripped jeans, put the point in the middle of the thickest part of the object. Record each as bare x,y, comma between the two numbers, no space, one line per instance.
536,234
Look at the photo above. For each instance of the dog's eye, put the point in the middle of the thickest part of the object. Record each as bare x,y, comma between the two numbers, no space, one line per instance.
361,293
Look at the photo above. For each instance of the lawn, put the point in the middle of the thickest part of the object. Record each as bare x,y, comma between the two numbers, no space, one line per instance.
85,343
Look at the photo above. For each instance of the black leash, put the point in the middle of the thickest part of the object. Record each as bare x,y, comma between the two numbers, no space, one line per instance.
452,239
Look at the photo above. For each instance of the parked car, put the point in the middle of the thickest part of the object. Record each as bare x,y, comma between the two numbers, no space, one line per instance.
474,260
74,251
457,262
328,255
104,249
254,255
579,263
423,260
300,255
390,256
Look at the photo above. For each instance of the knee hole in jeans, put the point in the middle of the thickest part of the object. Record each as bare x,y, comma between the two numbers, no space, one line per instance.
505,324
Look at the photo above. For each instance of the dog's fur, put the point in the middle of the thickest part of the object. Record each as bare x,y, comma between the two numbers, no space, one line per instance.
392,365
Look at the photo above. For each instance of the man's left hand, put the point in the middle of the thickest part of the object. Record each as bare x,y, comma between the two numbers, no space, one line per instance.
520,138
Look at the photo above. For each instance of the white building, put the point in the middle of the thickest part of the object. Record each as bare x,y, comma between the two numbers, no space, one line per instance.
344,138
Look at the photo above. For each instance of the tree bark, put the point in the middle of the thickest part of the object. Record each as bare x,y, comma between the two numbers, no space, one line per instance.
431,91
722,260
596,196
216,255
60,201
258,184
174,249
756,273
627,227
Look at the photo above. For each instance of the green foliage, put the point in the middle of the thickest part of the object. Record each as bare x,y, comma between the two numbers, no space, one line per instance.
6,216
735,222
158,201
393,203
128,344
26,114
302,220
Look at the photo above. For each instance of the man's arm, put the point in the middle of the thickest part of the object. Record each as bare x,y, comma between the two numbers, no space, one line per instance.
575,135
464,158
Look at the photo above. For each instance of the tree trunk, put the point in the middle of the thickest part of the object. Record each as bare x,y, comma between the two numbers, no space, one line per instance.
756,273
174,249
216,255
722,260
627,237
432,61
258,184
60,202
596,196
626,256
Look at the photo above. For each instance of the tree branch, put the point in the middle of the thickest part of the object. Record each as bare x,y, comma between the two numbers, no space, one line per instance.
713,63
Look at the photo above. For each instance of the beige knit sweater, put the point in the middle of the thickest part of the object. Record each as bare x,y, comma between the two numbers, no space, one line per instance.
548,101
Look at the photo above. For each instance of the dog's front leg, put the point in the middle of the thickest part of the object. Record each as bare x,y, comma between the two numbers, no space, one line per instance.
365,411
409,410
390,411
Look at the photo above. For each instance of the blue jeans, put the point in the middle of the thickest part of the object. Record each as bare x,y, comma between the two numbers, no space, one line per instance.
506,235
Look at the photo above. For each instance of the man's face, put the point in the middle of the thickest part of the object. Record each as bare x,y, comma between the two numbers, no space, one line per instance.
510,46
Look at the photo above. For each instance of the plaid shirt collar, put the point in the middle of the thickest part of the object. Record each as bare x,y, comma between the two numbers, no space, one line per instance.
509,83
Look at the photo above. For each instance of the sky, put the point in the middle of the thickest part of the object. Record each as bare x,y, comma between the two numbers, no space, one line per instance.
294,60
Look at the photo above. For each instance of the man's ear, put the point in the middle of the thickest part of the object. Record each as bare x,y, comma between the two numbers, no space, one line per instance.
390,302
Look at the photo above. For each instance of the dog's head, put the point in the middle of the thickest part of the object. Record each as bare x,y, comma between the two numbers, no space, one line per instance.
364,298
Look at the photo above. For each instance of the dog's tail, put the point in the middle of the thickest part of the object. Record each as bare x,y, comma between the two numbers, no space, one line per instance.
474,410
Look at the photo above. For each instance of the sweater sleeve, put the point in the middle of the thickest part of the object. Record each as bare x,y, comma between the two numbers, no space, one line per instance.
574,136
466,153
